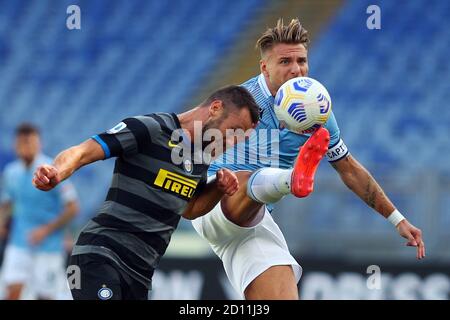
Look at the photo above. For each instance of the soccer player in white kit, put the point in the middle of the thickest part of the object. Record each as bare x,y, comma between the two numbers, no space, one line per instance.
240,228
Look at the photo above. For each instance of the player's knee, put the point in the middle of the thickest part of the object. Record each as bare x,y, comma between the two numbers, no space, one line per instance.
243,176
244,213
239,208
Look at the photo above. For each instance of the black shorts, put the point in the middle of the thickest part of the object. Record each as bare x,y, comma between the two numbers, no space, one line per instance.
102,279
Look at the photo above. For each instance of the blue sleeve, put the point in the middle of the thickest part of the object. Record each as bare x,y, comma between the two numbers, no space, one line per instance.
333,128
5,195
337,149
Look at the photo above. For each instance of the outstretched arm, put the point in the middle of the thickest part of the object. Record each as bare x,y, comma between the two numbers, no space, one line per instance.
226,183
361,182
47,176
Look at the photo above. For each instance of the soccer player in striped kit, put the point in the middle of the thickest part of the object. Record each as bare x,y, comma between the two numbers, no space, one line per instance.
119,249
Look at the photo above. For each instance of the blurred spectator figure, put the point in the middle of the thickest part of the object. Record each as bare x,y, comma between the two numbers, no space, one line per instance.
34,256
5,222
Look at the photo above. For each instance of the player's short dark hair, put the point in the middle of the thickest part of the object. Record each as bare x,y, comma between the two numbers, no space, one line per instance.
26,129
293,33
236,96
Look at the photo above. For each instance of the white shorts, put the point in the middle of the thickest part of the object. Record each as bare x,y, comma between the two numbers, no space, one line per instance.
246,252
43,274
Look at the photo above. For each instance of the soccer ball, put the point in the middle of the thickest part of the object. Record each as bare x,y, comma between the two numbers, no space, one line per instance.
302,105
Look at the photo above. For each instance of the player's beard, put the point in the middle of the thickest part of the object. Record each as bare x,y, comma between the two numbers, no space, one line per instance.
212,124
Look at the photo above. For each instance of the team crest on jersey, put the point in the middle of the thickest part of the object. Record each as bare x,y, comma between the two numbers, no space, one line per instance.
105,293
188,165
120,126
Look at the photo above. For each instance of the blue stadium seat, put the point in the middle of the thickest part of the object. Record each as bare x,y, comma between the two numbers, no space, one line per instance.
129,58
389,89
390,83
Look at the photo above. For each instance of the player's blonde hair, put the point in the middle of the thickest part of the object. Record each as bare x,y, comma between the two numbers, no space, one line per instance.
293,33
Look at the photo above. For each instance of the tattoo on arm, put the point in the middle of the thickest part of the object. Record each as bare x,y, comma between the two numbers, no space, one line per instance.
371,194
361,182
375,198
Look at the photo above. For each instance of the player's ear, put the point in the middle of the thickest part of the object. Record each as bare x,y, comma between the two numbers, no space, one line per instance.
263,67
215,109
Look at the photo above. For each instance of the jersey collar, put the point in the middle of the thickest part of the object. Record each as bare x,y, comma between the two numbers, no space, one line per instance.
263,85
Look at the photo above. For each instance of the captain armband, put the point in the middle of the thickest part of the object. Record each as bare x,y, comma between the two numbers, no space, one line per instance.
337,152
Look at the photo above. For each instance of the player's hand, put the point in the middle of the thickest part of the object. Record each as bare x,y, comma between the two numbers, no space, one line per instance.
38,235
46,177
227,182
414,237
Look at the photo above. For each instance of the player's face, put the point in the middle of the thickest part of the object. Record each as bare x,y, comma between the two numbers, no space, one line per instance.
231,119
27,146
282,63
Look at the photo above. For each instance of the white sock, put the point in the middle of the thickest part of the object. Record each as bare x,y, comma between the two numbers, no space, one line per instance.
269,185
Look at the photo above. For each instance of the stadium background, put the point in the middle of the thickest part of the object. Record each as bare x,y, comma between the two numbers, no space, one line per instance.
389,89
